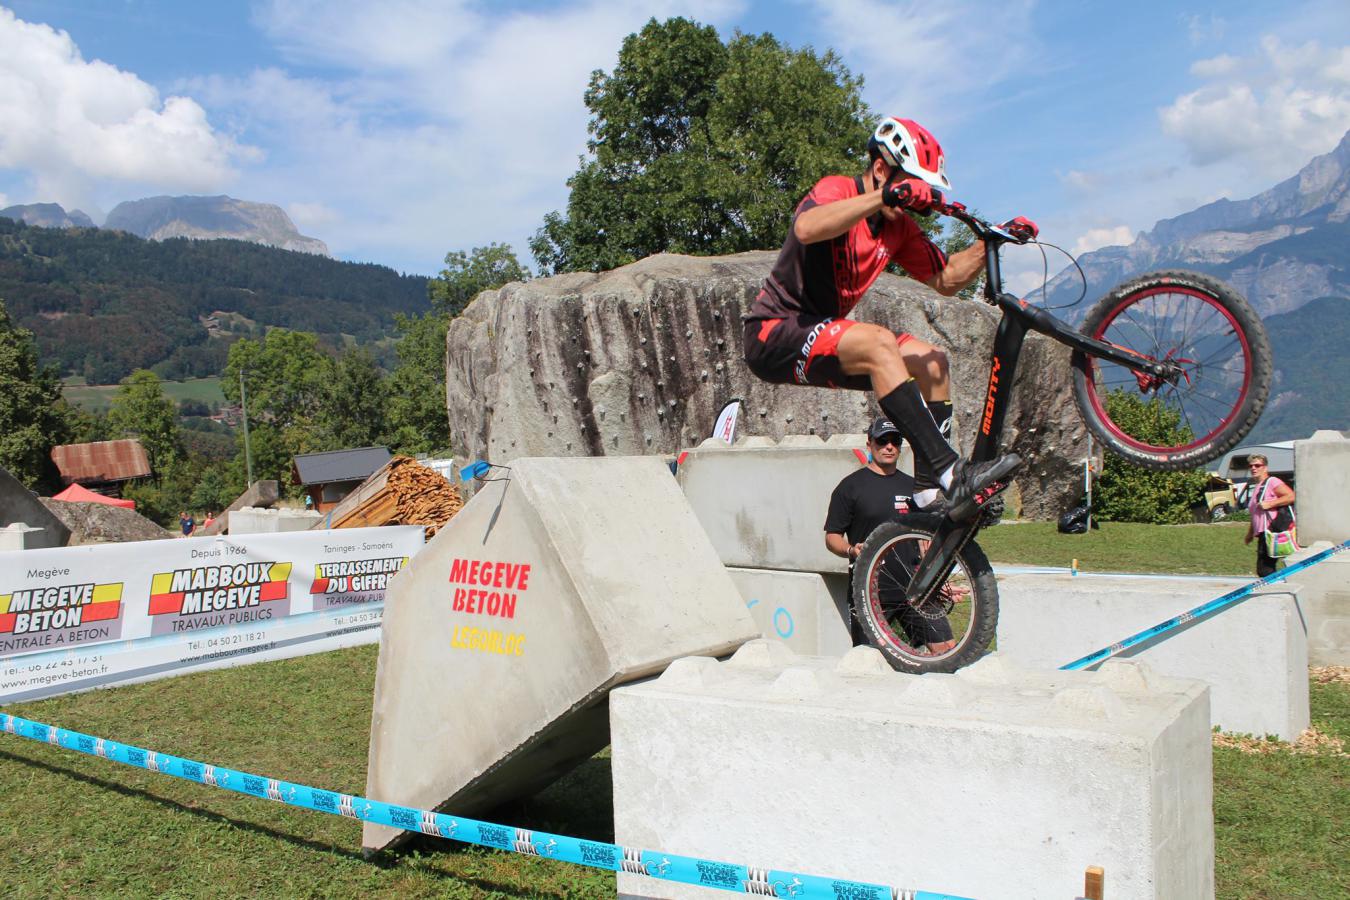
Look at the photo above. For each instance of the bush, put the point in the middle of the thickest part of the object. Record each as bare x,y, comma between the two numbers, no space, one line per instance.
1127,493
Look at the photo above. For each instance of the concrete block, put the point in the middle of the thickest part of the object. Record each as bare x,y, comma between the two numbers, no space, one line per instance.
1322,466
503,637
254,520
805,610
20,506
1324,594
763,503
1254,656
19,536
994,782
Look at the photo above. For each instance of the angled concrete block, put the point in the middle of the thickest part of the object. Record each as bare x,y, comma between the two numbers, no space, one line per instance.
503,637
1254,656
1324,594
994,782
805,610
763,504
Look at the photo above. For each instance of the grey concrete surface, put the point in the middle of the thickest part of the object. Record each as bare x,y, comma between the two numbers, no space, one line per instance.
1324,594
19,505
503,637
993,783
763,503
1254,656
805,610
253,520
1322,465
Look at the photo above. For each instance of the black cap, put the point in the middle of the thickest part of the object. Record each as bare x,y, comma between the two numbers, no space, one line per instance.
882,427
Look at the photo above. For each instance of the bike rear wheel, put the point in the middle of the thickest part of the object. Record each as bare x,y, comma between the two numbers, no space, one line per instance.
963,610
1221,348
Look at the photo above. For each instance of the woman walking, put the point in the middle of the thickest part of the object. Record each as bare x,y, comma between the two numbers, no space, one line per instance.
1268,498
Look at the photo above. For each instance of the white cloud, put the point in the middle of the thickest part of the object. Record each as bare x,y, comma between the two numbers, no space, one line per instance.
936,63
71,124
1079,180
1270,112
1205,29
313,216
1096,238
428,143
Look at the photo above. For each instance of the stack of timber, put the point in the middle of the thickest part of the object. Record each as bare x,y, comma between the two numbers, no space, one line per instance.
402,492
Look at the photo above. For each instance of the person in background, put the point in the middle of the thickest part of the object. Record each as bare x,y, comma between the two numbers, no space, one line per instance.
877,493
1267,495
210,518
186,523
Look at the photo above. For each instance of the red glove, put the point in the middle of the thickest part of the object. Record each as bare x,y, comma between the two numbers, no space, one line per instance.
910,193
1021,228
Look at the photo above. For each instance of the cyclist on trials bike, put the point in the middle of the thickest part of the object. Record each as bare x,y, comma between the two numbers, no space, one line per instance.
844,233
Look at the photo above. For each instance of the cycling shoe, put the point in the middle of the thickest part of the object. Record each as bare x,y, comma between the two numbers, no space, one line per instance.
974,485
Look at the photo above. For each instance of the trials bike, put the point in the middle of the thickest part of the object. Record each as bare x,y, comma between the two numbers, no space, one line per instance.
1170,369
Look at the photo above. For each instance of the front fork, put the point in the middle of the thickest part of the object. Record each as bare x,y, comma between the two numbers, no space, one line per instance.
1018,318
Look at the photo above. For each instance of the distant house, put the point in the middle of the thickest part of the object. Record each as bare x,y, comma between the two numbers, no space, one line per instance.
103,466
328,477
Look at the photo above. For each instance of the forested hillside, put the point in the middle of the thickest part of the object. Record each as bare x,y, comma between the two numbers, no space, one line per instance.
104,303
1312,370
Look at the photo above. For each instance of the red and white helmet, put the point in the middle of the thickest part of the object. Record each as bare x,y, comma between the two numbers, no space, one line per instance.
910,147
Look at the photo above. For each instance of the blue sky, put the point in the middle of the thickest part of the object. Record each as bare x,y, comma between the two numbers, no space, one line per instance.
385,128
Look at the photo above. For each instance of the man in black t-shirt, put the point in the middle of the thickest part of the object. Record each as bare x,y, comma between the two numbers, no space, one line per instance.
877,493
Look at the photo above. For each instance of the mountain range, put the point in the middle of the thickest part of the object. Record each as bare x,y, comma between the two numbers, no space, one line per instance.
202,218
1281,248
1287,250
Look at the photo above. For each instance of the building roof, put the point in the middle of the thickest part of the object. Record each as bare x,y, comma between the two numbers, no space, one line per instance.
339,465
101,461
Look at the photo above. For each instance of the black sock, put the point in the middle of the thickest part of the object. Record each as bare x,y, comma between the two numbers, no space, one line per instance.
924,476
904,406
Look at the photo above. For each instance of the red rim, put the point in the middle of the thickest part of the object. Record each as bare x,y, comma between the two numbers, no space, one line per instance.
1095,397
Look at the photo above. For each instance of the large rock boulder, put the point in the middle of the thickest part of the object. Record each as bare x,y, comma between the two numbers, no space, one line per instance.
639,360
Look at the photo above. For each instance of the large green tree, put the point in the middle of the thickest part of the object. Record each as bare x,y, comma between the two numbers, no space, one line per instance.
1127,493
140,409
466,275
284,376
31,409
702,147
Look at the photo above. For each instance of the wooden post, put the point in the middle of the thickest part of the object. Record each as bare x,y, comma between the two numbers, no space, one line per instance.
1094,883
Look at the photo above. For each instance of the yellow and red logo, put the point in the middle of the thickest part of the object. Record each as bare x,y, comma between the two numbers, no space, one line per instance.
189,592
64,606
355,575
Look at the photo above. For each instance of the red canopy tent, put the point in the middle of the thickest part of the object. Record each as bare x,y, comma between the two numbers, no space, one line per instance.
77,494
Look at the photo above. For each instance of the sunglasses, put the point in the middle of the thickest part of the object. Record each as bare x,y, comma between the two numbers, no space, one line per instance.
887,441
1256,466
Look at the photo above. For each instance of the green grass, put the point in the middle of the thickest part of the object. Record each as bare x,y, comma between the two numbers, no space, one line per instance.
77,825
1125,547
98,397
73,824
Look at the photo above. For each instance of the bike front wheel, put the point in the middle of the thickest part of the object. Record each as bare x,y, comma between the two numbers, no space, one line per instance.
1220,350
951,629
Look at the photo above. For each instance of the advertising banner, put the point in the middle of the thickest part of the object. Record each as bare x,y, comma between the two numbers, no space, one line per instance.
74,618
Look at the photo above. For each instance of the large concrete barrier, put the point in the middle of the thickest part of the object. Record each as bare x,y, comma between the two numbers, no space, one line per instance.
1322,465
992,782
763,503
1324,594
255,520
503,637
1254,656
805,610
20,506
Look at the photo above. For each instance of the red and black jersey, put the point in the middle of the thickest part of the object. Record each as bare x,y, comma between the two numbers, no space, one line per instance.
828,278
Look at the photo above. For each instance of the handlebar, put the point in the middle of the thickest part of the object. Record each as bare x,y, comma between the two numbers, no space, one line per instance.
983,230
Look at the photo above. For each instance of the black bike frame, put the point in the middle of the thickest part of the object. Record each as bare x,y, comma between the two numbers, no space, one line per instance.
1018,318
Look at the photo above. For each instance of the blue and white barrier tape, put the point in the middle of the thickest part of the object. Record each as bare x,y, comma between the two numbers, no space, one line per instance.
1204,609
596,854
